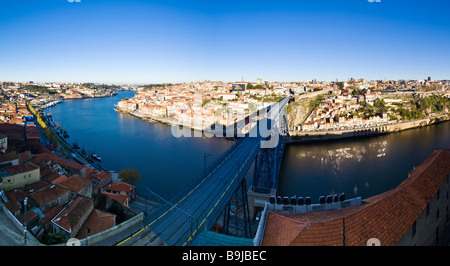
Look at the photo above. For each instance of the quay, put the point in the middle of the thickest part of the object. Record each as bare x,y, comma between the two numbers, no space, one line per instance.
311,136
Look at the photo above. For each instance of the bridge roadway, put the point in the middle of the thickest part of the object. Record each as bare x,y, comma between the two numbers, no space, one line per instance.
199,206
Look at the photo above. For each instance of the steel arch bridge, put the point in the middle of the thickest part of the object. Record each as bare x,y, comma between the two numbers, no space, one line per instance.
197,207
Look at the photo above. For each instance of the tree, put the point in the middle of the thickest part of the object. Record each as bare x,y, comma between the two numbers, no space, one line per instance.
53,238
130,175
340,85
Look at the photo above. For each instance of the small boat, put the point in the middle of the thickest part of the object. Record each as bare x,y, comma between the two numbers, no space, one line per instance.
76,146
89,159
96,157
83,152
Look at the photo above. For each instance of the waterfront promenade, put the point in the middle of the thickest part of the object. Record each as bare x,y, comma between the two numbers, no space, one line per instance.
306,136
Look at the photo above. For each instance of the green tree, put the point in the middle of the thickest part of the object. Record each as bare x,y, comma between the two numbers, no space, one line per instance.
130,175
53,238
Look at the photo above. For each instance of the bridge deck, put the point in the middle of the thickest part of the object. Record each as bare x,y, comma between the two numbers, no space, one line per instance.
200,208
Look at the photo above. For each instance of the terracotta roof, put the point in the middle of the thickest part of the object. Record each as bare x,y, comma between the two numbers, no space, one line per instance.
387,216
8,156
97,222
51,176
15,198
47,195
37,186
119,187
25,156
32,132
75,182
51,212
21,168
102,176
122,199
71,215
51,157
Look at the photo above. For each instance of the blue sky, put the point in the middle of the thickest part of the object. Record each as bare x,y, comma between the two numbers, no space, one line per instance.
174,41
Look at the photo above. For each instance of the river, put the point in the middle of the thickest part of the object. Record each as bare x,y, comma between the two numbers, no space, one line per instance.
358,167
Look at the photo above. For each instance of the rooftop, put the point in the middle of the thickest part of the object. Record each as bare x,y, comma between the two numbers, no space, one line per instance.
71,215
386,216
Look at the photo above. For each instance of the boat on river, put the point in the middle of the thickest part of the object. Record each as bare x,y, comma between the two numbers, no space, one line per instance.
96,157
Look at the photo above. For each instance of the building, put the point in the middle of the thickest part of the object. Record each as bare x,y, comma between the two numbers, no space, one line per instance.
16,176
71,218
414,213
76,184
3,142
121,188
97,222
49,196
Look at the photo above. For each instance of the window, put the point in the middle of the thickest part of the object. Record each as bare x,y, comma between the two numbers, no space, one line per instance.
413,229
427,211
437,214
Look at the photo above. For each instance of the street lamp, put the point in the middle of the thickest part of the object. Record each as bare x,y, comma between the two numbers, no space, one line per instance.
206,155
204,162
25,221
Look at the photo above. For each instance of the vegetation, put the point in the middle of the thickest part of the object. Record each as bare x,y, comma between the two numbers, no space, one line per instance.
422,107
53,238
316,102
130,175
38,89
251,87
340,85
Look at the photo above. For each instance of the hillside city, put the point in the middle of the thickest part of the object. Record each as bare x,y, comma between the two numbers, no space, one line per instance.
69,197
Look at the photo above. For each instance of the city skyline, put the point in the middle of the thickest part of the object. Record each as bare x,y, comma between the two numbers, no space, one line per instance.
139,42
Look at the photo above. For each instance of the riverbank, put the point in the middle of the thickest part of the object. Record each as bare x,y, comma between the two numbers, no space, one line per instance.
175,122
312,136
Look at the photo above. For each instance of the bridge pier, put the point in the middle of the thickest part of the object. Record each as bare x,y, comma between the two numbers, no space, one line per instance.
236,219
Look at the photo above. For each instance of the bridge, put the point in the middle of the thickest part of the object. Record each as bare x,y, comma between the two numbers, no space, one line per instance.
221,188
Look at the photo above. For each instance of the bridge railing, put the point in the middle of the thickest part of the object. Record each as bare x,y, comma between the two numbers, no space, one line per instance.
205,173
160,205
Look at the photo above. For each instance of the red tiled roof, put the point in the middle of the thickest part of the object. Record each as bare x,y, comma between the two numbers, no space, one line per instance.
75,182
10,156
15,198
51,212
122,199
97,222
49,156
387,216
21,168
47,195
102,176
119,187
71,215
